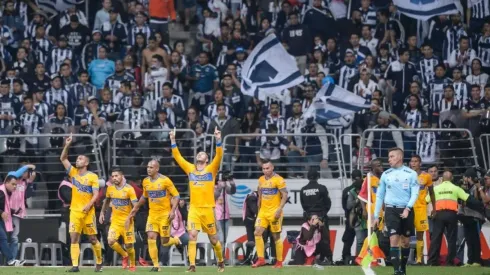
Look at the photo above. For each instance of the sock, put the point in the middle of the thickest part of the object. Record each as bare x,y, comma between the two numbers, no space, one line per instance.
420,251
172,241
97,248
259,245
218,251
192,252
279,249
75,254
132,256
117,247
395,258
153,250
405,254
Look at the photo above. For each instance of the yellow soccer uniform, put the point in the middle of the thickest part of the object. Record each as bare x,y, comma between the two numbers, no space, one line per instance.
420,207
270,201
82,193
201,189
363,196
122,200
159,193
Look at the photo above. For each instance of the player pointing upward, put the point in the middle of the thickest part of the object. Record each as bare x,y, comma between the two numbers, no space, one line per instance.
163,199
273,195
122,197
82,212
201,187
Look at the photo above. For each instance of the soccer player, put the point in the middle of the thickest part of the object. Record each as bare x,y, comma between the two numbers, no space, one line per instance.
420,207
122,197
163,200
273,195
398,190
202,178
82,212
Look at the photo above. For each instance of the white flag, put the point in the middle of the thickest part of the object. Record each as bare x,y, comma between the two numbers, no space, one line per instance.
269,70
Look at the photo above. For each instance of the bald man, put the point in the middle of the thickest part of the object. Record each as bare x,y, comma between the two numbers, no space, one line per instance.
163,200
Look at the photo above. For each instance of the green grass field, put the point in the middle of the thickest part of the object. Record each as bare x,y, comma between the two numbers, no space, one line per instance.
264,270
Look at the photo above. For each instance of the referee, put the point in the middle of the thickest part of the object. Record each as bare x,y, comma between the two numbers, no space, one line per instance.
398,189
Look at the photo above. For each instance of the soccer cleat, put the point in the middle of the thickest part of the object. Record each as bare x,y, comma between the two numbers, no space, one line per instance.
260,262
278,264
155,269
142,262
221,266
125,262
191,268
73,269
98,268
132,268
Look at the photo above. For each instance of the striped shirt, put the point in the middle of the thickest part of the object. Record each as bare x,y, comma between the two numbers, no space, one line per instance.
134,117
451,41
30,31
462,90
134,30
211,111
90,118
294,125
347,72
114,81
445,105
412,118
110,108
365,91
156,78
427,68
42,48
466,58
279,121
368,17
426,146
436,91
4,123
479,10
81,92
33,124
178,107
54,97
56,57
484,50
6,32
338,127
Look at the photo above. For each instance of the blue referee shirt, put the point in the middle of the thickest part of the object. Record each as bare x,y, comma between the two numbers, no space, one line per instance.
397,187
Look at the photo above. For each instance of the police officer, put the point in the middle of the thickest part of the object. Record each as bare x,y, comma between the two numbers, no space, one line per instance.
445,218
315,201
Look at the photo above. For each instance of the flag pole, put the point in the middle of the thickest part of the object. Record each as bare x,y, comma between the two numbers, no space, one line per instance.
368,210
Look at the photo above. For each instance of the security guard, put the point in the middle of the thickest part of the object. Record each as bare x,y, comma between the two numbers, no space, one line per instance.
447,195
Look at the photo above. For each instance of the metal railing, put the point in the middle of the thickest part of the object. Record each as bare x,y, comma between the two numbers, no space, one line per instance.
49,169
485,150
293,164
349,166
454,148
133,154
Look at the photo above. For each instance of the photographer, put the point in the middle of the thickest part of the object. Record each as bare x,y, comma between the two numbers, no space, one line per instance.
315,201
472,220
224,185
309,241
249,214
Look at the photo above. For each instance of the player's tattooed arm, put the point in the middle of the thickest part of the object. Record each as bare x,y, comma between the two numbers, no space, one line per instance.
64,153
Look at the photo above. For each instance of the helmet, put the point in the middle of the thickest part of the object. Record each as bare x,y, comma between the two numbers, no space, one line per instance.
56,141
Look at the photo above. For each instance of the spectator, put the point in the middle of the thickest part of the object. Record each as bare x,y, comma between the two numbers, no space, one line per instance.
148,53
205,80
101,68
224,187
477,76
78,34
172,104
103,15
113,82
296,38
114,33
381,142
58,54
463,56
135,116
462,89
228,126
33,123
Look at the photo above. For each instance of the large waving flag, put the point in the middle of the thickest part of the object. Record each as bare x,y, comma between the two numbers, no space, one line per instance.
333,102
425,9
269,70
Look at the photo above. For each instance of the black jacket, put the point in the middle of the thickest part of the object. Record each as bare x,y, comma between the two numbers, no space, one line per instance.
314,198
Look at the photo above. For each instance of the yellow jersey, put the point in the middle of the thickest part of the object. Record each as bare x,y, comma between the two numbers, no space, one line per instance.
82,189
270,199
122,199
201,183
425,181
364,193
159,192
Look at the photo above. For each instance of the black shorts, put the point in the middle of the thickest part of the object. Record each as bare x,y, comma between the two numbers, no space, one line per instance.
396,225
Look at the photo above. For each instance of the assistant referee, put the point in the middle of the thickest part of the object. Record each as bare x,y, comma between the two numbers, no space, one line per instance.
398,189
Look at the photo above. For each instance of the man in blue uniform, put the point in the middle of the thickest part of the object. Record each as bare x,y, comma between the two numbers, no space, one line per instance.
398,190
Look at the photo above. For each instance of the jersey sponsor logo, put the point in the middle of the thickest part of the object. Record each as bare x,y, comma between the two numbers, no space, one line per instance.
120,202
203,177
81,187
269,191
157,194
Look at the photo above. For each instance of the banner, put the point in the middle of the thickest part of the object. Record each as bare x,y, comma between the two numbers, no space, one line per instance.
426,9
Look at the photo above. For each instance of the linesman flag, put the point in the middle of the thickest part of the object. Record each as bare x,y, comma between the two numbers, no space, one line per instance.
269,70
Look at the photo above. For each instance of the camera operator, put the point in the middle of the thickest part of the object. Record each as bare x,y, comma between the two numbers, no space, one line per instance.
315,201
349,232
224,185
472,219
249,214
